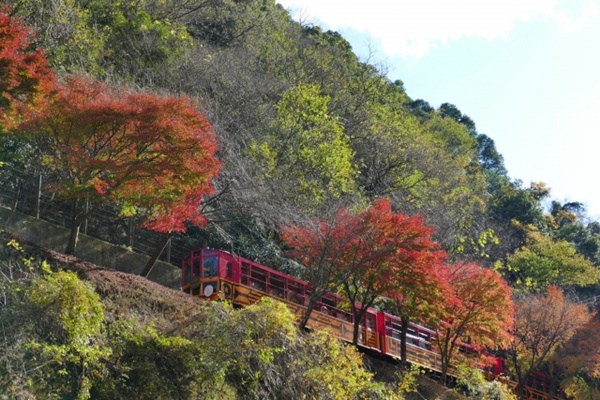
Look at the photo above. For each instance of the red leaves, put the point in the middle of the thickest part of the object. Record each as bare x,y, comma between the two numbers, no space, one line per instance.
377,244
481,308
392,249
24,75
376,250
141,150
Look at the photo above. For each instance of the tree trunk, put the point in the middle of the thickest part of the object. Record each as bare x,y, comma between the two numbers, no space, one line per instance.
75,224
157,252
312,300
358,316
520,389
73,238
356,332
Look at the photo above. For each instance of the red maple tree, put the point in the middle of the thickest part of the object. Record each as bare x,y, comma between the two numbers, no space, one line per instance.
420,299
369,254
318,246
149,153
25,77
478,312
389,252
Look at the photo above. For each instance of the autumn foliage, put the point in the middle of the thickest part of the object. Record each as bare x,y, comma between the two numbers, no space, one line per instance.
369,254
480,311
390,251
25,77
149,153
543,323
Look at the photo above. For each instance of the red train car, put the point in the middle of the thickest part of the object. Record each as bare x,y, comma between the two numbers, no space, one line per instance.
218,274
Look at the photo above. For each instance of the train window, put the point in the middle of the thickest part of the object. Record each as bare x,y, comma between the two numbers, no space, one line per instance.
245,272
277,286
196,267
370,321
258,274
186,272
295,292
229,270
210,267
328,302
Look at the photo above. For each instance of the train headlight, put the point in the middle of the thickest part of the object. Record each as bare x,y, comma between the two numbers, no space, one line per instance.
208,290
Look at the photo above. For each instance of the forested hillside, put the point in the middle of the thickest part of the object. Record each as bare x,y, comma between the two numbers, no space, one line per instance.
230,123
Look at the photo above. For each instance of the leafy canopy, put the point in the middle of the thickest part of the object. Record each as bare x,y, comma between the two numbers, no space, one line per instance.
308,146
24,74
108,144
544,322
544,262
480,311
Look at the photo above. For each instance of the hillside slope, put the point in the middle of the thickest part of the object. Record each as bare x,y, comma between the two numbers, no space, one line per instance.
156,342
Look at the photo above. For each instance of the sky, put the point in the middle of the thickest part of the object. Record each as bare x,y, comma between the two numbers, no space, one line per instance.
527,72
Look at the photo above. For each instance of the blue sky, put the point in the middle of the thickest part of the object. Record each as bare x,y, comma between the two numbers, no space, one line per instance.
526,71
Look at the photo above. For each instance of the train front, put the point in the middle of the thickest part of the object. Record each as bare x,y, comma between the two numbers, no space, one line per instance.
209,273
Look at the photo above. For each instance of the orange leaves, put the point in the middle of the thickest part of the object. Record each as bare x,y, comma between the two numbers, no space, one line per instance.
147,152
373,253
394,249
481,307
478,311
543,323
24,75
376,247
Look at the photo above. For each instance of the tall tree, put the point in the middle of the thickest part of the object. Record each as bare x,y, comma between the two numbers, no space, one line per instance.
543,262
319,247
139,150
420,299
489,157
390,251
479,311
25,77
511,201
368,254
542,324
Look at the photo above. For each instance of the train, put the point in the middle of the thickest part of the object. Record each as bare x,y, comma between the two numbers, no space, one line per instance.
221,275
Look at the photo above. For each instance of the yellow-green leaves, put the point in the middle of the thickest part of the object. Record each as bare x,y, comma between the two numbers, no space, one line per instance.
72,315
543,262
308,146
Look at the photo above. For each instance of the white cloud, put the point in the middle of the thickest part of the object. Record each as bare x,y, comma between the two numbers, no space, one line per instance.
411,28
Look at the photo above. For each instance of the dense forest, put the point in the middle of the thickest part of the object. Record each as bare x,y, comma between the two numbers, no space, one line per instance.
231,123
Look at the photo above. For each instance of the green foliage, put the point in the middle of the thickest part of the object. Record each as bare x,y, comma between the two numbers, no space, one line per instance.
308,146
476,386
67,31
580,389
259,353
335,371
53,337
150,364
513,202
72,315
136,40
543,262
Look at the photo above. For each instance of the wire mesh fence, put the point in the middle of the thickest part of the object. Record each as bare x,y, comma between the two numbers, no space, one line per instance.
29,194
